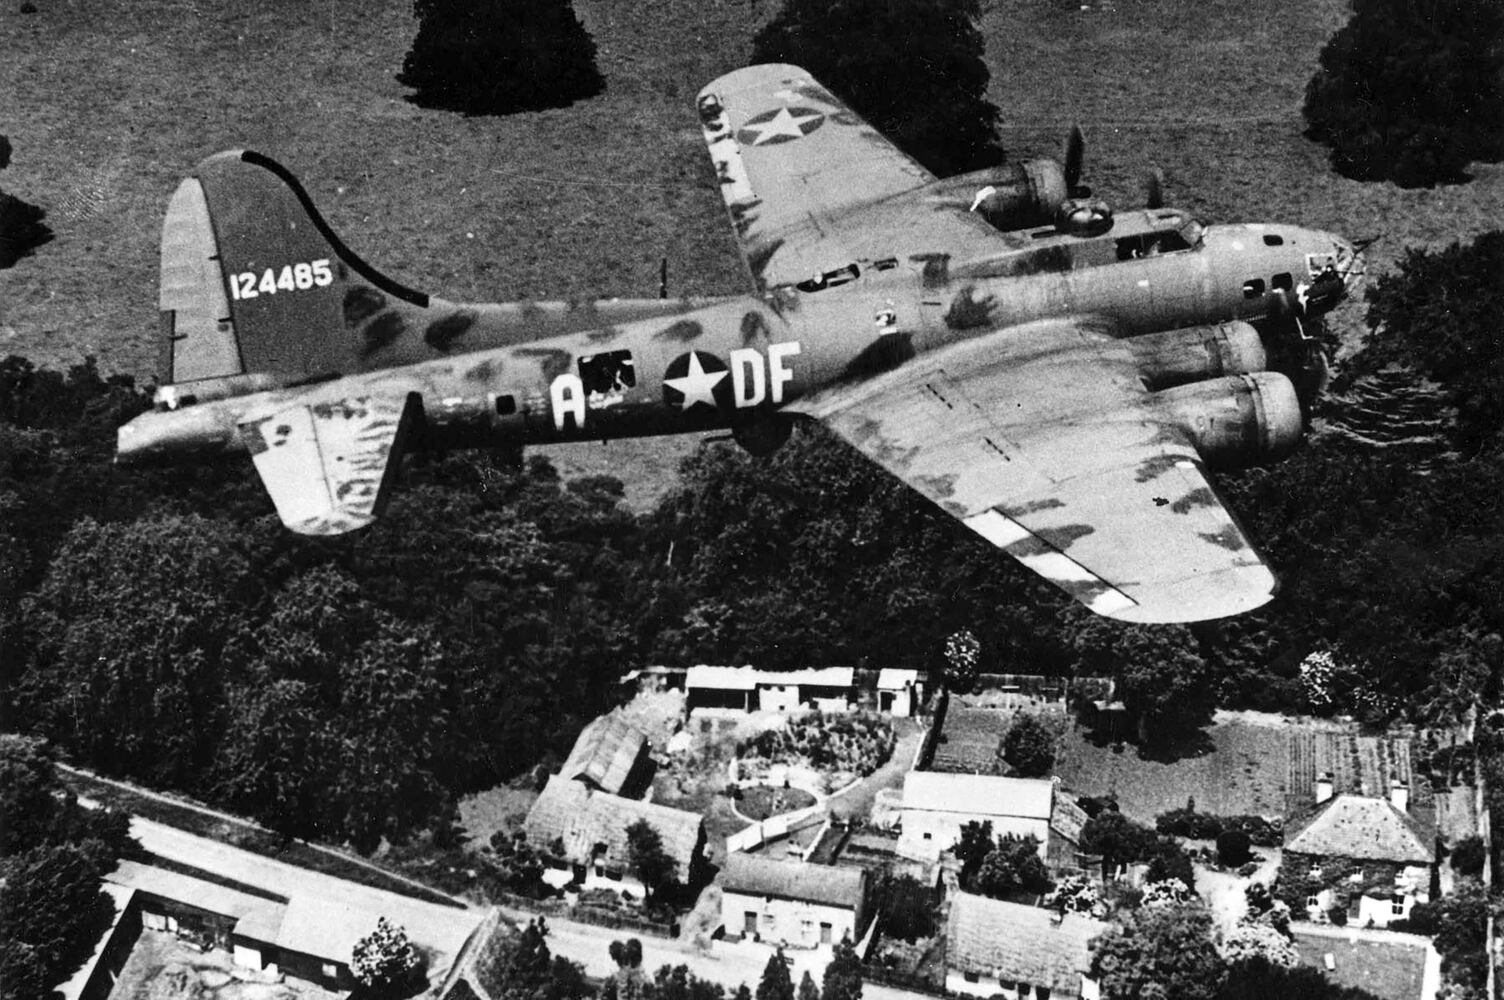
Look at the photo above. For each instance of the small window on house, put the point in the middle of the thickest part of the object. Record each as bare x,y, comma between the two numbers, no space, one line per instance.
1253,288
1397,905
928,836
506,405
1270,240
1312,902
1023,991
825,933
614,873
1006,985
330,970
972,977
1283,280
608,372
1042,993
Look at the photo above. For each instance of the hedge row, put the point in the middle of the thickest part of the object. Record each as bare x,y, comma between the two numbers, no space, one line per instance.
1261,830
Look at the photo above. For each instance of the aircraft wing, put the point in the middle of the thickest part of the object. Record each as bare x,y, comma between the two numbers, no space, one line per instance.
329,465
1043,440
812,188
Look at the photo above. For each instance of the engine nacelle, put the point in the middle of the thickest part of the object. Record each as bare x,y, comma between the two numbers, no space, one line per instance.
1010,196
1193,353
1236,421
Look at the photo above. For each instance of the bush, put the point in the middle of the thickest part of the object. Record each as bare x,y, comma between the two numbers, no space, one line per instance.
21,229
857,743
484,58
1467,856
1232,848
1194,825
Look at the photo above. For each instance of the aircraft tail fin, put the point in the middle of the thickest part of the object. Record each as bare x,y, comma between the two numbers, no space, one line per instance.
254,281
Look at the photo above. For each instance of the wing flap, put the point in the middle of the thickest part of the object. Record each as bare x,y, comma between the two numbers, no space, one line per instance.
329,466
1060,458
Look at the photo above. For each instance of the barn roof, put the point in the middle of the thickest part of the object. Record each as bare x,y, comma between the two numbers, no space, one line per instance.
754,875
1360,827
978,794
584,819
605,753
1011,941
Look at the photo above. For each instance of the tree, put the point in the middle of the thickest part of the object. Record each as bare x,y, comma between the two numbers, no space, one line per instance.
913,69
1013,866
776,983
1459,925
385,959
1257,979
1028,747
1411,92
843,976
648,860
50,901
1167,892
1116,837
677,983
1159,673
807,988
1436,315
905,907
961,654
1468,856
1164,952
484,58
972,849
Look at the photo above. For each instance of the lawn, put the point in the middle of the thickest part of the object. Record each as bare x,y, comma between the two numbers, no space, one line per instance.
969,739
109,103
1385,970
1244,769
761,801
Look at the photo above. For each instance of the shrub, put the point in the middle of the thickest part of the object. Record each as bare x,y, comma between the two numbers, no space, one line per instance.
1467,856
1232,848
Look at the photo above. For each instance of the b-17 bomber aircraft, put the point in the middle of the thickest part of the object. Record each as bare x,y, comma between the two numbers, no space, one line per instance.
1057,377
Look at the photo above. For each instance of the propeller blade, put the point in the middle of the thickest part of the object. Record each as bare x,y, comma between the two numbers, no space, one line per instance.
1154,185
1075,150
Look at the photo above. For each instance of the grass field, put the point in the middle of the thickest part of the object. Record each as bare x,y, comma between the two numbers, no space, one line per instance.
109,103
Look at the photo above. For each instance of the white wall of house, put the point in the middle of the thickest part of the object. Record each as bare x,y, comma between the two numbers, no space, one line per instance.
778,697
926,832
794,923
247,953
978,985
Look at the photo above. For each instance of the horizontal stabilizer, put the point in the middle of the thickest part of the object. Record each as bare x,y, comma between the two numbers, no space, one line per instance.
329,466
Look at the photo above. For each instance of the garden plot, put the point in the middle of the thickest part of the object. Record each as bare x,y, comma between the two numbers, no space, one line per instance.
968,740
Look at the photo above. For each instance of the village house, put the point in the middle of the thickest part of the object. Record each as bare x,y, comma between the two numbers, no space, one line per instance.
1361,855
935,806
791,903
611,755
1020,952
583,833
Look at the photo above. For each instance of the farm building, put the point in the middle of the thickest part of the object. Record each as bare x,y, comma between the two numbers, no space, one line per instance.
936,806
1000,948
747,689
611,755
584,833
308,935
899,692
1361,854
791,903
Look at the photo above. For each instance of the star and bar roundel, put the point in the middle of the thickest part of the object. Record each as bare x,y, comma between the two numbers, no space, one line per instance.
695,378
783,124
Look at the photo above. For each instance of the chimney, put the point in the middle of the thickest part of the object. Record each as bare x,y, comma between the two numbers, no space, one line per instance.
1323,787
1399,796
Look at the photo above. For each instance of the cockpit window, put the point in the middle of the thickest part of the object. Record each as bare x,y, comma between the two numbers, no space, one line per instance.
1151,244
1271,240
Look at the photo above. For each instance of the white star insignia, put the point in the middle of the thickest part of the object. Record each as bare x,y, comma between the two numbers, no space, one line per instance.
697,384
784,124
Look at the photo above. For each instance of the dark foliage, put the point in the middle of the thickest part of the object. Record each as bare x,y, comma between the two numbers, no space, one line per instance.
1467,856
1438,315
53,854
843,975
1259,980
649,861
1232,848
485,58
1028,747
21,229
912,68
1411,91
1195,825
1159,951
1013,867
1458,924
905,907
776,984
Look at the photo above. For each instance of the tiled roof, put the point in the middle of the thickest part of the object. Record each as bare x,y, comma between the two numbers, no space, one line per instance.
752,875
605,753
978,794
1360,827
583,818
1020,943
